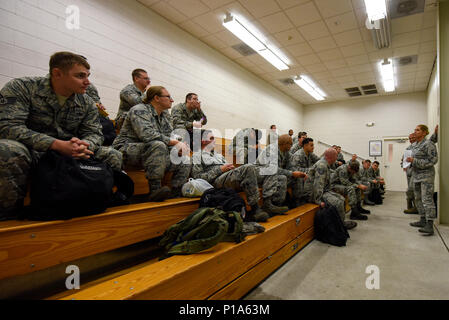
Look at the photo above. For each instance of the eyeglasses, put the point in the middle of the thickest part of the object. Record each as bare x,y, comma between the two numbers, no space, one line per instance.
146,78
165,97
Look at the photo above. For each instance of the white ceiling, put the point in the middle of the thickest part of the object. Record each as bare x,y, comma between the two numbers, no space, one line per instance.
325,39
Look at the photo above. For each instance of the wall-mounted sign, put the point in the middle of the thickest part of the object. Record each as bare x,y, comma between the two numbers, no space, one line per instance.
375,148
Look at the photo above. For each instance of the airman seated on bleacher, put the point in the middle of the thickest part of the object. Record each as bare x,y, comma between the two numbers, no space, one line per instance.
346,182
145,141
297,144
213,168
245,146
132,95
285,165
302,161
318,186
374,172
189,115
367,181
38,114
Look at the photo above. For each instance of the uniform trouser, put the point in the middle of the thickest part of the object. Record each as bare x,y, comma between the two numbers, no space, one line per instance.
16,162
410,186
353,193
336,200
424,199
248,178
367,192
154,157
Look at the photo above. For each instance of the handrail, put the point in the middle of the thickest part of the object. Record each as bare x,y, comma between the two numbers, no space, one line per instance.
345,152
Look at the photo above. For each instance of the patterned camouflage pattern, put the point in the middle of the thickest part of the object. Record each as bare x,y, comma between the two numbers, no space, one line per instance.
31,119
243,147
92,92
319,188
207,166
144,141
347,184
423,174
183,118
129,97
340,157
300,161
295,147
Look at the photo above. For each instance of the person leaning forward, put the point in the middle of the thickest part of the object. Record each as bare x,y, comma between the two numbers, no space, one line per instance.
132,95
145,141
38,114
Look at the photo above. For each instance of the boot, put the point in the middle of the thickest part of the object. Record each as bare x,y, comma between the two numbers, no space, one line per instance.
428,228
175,193
355,215
367,202
411,209
350,225
257,214
361,210
419,224
271,209
159,195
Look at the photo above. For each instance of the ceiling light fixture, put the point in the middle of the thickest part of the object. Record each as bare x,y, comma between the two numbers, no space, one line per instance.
248,35
378,23
310,87
386,70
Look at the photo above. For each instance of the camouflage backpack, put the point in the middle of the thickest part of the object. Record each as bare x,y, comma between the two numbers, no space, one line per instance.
201,230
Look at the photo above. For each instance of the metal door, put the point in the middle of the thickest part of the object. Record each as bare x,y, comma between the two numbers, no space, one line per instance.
394,175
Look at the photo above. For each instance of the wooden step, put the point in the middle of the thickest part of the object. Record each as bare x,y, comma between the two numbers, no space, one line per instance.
30,246
203,275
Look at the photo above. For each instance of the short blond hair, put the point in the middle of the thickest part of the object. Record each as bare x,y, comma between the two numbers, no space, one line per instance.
424,128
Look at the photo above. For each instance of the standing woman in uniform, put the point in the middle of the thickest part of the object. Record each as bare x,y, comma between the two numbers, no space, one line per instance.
423,159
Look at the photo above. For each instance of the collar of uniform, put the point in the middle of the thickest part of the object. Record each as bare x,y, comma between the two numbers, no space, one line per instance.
189,112
137,89
46,91
154,112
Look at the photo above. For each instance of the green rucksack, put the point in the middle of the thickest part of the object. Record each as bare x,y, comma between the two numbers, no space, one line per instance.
201,230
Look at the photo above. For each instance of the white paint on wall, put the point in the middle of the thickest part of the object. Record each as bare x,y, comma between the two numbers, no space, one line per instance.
118,36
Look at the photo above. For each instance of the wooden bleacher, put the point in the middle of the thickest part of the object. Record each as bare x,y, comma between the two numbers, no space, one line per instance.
29,249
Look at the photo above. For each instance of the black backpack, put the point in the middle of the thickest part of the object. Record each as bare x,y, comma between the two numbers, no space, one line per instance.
64,187
225,198
108,130
329,228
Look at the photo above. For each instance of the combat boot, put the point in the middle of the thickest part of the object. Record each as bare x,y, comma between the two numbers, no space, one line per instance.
350,225
272,209
356,215
367,202
175,193
411,209
257,214
428,228
361,210
158,194
419,224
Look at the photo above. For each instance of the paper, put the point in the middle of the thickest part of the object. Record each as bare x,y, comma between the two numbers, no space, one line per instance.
405,164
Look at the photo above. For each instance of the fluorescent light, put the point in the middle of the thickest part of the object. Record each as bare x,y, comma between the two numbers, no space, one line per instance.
386,70
247,34
273,59
376,9
310,87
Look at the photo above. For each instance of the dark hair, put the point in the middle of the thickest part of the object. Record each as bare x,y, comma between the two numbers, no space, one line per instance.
152,92
273,125
190,95
302,133
136,73
376,162
368,160
306,141
66,60
354,165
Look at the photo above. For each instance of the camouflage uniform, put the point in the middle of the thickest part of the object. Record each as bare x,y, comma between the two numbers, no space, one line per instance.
302,162
144,141
31,119
207,166
183,118
243,147
129,97
423,175
92,92
295,147
346,184
365,179
318,187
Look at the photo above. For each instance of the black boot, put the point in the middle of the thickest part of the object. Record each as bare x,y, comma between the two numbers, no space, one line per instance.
355,215
175,193
158,193
419,224
428,228
257,214
368,202
361,210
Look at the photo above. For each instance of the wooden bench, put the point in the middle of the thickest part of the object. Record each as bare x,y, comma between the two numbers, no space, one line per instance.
226,271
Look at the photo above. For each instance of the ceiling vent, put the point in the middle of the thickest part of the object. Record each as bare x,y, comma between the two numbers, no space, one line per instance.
287,81
403,8
353,92
369,89
366,90
404,61
244,49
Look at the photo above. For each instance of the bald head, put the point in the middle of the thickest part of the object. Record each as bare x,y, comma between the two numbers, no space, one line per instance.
285,142
330,155
411,137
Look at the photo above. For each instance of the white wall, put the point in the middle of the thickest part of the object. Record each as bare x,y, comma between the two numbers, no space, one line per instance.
433,111
344,122
118,36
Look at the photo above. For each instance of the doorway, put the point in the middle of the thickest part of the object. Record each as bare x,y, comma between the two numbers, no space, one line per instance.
394,175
